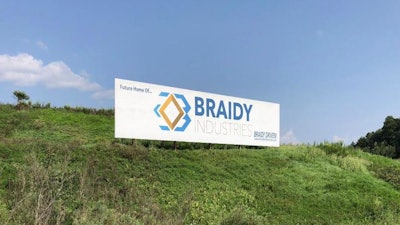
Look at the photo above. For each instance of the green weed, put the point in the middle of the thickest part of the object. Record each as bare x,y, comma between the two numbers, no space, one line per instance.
63,166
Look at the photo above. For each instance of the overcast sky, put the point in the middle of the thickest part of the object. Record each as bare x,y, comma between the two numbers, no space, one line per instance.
333,66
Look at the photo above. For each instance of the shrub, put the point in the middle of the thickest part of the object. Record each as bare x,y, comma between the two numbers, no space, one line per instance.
384,150
334,148
35,194
390,174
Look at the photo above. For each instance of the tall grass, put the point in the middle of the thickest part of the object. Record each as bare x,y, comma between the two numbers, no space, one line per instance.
58,166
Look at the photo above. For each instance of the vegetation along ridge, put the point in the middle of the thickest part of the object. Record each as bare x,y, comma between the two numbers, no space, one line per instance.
63,166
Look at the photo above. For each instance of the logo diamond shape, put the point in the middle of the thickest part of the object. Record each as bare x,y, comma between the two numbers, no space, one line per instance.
171,123
166,110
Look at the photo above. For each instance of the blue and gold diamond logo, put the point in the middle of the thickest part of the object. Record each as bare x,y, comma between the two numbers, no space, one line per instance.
172,112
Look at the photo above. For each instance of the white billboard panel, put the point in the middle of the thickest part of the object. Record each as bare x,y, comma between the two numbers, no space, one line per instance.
155,112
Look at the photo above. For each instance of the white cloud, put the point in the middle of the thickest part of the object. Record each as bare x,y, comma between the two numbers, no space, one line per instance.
42,45
338,139
25,70
84,74
289,138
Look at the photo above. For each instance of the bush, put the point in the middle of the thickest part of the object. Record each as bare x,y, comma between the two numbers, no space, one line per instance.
384,150
335,148
36,193
390,174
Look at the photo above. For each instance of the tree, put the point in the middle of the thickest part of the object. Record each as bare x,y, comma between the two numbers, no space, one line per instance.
22,97
384,141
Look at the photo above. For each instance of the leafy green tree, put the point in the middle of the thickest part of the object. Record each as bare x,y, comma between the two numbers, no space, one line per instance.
391,131
22,99
21,96
384,141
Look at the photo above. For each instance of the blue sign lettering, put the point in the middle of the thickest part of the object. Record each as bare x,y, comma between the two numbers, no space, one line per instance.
229,110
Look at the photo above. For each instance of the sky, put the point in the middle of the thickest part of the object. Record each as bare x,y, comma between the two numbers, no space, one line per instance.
333,66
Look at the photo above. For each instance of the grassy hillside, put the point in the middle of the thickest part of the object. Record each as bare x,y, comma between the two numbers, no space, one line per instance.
64,167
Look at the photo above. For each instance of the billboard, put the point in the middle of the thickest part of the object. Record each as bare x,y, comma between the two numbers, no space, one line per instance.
155,112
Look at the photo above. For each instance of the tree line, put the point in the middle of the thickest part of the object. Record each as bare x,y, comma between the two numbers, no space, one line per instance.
384,141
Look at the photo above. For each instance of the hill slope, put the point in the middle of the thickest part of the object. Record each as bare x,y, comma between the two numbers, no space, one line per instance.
64,167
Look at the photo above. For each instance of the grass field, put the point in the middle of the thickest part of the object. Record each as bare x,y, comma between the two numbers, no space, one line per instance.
63,167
